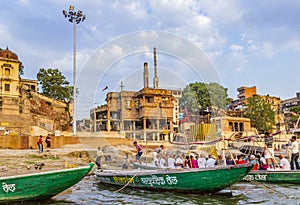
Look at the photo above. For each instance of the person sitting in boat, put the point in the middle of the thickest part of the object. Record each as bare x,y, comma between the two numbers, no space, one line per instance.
254,162
240,159
178,162
139,151
194,161
201,161
187,162
284,163
229,160
262,162
162,161
155,160
211,162
171,161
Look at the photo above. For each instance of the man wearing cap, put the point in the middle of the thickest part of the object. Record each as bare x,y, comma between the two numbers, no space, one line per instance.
295,153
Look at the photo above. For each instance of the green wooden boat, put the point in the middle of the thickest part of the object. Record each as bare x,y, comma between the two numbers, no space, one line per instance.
209,180
41,185
267,176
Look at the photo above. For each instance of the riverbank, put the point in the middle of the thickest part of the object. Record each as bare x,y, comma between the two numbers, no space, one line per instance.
25,161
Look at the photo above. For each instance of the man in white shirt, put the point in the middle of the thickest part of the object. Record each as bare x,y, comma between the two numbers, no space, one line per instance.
211,162
162,162
201,161
284,163
178,162
295,153
171,162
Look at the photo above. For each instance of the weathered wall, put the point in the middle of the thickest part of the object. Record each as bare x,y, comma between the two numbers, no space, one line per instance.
28,142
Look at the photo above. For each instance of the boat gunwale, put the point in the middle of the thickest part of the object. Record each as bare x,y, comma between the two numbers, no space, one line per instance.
48,172
141,172
274,171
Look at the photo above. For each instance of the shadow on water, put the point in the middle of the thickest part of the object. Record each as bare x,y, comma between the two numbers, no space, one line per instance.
89,191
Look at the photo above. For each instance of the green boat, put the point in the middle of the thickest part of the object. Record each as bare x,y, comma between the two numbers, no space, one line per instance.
41,185
270,176
205,181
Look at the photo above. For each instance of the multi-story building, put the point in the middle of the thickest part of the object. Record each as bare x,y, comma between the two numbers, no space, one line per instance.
150,114
245,92
290,102
21,107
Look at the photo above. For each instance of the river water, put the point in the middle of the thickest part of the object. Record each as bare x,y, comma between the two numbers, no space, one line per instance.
89,191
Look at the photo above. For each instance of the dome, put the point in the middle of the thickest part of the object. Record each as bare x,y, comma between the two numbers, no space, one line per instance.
8,54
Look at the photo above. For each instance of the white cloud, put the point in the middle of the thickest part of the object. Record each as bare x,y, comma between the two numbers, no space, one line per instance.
236,50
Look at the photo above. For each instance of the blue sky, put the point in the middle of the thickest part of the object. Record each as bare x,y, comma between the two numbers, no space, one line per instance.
236,43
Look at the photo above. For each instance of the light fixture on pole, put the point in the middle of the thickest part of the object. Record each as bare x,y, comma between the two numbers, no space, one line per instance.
75,18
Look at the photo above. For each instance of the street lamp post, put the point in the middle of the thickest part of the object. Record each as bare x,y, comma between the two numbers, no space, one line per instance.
75,18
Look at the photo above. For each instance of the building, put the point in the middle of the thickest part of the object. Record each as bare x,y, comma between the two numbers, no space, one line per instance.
23,109
150,114
245,92
290,102
9,78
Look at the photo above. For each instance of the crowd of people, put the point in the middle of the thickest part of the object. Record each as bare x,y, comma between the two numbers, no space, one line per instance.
260,161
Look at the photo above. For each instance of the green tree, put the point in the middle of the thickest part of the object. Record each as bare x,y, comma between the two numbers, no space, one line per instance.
260,112
197,96
55,85
295,109
295,113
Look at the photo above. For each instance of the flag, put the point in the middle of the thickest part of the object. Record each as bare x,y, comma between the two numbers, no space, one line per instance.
106,87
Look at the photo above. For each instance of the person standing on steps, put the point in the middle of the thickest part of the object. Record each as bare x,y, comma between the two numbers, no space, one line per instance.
40,144
48,142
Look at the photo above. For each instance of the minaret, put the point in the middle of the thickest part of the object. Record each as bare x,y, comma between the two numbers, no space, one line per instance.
146,75
155,79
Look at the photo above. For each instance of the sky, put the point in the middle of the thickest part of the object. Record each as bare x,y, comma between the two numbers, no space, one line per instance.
234,43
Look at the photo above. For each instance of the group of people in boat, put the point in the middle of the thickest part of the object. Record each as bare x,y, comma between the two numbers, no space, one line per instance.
262,161
162,160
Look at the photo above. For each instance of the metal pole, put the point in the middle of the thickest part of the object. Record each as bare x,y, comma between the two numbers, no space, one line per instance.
74,78
75,18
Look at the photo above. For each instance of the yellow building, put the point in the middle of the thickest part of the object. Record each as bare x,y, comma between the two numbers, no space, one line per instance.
22,109
9,86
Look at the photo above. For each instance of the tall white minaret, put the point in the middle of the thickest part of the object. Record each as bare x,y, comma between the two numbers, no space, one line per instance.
146,74
155,79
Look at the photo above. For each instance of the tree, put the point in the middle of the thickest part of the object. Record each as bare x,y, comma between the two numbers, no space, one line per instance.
55,85
260,112
197,96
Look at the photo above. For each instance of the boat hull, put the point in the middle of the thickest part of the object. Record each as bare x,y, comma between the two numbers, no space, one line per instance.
183,180
40,186
292,177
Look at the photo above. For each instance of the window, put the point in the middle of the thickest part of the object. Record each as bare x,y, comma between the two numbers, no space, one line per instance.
7,87
241,127
7,71
231,126
236,127
149,99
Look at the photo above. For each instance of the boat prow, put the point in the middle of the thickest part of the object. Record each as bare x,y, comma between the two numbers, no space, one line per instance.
41,185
